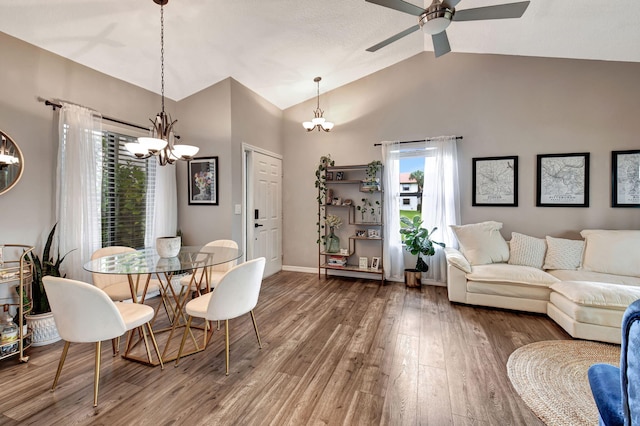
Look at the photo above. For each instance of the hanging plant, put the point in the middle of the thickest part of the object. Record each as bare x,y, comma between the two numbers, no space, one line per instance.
372,170
321,185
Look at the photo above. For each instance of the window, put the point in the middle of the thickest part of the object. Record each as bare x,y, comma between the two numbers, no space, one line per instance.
406,186
125,180
406,201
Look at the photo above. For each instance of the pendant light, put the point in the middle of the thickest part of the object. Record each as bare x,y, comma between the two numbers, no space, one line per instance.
318,121
161,141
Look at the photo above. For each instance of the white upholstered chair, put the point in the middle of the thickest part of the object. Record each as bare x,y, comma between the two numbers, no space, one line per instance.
235,294
85,314
214,273
117,286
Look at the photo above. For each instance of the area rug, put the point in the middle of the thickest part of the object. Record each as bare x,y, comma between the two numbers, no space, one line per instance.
551,378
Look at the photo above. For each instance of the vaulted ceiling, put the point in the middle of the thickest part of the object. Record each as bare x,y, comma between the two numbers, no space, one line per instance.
277,47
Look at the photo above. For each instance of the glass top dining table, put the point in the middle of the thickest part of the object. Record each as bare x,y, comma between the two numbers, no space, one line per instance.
147,261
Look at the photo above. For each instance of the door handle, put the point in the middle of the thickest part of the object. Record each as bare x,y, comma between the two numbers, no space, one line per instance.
256,225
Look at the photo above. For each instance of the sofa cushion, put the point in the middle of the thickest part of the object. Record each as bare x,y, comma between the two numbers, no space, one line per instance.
527,251
612,252
457,259
482,243
563,253
603,295
580,275
503,272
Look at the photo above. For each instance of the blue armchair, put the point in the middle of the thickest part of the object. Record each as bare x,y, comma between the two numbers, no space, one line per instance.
617,390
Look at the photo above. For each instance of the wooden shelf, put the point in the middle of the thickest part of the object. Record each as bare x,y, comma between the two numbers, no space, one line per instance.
353,268
353,237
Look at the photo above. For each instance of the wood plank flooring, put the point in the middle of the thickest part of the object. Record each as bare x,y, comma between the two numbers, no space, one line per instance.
335,351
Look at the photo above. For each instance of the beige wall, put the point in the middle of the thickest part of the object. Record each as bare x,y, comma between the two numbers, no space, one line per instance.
27,72
501,105
219,119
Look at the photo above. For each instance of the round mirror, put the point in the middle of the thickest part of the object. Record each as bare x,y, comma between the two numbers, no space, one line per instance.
11,163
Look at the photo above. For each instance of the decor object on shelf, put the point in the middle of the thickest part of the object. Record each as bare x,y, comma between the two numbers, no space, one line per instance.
11,163
161,142
318,121
375,263
168,246
332,243
418,242
203,181
363,262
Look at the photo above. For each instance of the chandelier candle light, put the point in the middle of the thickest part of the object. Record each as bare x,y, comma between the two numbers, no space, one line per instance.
318,120
161,141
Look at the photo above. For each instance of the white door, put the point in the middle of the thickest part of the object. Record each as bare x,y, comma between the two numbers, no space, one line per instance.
267,210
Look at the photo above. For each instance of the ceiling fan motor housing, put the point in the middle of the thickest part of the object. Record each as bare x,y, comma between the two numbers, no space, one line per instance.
436,18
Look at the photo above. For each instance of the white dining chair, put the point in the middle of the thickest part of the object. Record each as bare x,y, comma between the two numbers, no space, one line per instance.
117,285
207,278
84,313
235,294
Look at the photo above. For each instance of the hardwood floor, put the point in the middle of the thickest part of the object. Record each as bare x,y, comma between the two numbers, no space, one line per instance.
336,351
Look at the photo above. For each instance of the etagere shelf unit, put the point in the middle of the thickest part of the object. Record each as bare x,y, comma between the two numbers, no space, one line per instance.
17,271
357,198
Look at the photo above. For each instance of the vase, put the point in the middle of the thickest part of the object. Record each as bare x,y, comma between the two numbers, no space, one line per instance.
168,246
333,242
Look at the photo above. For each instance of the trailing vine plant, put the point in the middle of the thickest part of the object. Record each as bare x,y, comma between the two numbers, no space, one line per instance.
372,170
321,185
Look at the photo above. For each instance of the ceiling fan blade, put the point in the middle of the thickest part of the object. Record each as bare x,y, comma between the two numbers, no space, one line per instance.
440,43
400,5
393,38
500,11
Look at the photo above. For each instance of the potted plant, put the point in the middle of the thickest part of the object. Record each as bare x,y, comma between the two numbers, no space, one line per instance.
418,242
40,320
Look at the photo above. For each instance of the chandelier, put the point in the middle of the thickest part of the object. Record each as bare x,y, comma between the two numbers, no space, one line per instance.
318,120
161,142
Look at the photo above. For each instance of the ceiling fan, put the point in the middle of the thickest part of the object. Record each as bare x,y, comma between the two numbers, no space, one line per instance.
436,18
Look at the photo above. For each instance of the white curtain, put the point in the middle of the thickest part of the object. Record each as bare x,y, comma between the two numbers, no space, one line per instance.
162,204
78,187
392,258
440,199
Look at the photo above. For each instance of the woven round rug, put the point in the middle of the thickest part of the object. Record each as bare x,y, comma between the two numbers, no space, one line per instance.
551,378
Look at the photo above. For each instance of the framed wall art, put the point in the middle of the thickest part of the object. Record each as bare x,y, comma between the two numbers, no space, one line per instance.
625,178
495,181
563,180
203,181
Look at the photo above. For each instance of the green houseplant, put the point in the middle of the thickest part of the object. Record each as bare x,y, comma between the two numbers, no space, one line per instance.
321,185
40,320
418,242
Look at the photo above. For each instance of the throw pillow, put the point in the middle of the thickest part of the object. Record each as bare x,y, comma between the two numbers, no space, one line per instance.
482,243
612,252
527,251
563,253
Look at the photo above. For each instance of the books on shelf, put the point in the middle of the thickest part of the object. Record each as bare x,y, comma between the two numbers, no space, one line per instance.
337,261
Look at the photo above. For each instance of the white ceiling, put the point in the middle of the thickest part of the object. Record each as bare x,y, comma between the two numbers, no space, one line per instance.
277,47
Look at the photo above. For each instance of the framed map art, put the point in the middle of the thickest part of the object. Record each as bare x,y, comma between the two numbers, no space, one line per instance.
625,178
563,180
495,182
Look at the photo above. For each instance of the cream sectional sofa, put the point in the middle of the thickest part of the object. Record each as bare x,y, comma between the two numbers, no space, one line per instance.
583,285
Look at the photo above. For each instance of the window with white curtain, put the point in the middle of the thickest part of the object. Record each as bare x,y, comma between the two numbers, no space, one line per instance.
125,195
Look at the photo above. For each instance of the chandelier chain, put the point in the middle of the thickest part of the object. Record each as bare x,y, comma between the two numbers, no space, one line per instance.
162,53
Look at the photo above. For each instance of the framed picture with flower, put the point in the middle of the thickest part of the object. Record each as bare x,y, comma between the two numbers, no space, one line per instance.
203,181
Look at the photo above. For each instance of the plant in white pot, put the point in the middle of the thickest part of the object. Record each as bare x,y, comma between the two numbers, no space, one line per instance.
418,242
40,320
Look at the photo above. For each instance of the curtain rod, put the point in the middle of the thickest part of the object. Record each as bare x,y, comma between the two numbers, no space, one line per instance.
55,105
421,140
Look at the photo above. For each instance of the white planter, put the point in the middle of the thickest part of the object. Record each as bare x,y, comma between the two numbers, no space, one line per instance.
44,329
168,246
